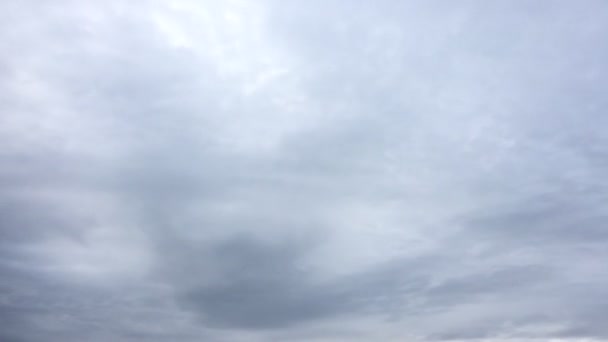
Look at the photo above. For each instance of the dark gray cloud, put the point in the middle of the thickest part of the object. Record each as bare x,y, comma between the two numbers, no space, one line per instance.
325,171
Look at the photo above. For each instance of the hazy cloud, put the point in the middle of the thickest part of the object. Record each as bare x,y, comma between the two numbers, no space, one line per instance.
320,170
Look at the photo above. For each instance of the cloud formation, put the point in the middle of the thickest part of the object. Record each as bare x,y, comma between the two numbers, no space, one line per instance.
303,171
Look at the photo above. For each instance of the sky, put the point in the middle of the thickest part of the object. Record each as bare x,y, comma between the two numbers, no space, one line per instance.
321,171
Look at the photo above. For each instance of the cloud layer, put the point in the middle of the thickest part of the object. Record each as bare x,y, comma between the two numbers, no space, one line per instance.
314,171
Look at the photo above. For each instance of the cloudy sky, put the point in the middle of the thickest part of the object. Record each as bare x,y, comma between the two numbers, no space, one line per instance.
303,170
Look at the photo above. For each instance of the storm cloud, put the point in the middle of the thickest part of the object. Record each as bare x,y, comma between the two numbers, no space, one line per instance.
303,171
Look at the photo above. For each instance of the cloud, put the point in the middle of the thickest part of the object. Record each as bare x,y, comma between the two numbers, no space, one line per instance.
326,171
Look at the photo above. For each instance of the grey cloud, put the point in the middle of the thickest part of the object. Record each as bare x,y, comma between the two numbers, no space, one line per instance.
327,170
260,287
264,285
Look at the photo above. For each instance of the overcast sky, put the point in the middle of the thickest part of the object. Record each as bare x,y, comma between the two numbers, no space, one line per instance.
311,170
